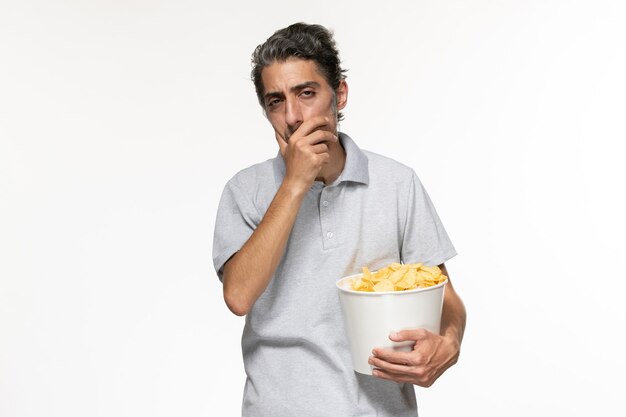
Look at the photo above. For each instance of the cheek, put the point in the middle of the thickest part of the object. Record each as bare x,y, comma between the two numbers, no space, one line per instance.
276,121
317,109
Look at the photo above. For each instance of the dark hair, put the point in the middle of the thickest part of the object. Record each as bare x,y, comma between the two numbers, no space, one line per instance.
304,41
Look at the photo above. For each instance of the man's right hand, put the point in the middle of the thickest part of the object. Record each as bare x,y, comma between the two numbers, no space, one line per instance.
306,151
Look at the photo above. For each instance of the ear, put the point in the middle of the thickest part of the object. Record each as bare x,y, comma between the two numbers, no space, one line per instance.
342,94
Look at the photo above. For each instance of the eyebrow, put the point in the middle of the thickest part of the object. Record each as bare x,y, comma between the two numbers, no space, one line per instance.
297,87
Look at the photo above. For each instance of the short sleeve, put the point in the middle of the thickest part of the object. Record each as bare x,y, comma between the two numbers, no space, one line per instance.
425,239
237,218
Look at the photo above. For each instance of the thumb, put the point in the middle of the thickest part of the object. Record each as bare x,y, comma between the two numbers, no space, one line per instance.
409,334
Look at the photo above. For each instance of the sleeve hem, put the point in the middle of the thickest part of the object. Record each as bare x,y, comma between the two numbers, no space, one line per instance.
220,260
441,258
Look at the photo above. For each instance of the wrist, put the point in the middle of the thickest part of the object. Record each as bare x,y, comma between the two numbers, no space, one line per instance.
452,338
294,187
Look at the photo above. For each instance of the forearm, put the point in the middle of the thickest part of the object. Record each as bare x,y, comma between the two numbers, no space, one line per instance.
453,315
249,271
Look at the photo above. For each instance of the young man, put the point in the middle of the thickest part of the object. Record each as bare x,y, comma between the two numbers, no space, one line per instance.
288,228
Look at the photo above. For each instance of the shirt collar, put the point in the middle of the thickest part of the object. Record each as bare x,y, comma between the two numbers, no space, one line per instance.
355,168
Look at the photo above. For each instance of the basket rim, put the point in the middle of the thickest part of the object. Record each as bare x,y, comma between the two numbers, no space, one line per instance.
339,283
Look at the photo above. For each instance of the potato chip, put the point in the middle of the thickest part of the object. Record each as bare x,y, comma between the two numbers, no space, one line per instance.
384,285
382,273
360,285
433,270
367,276
409,279
424,276
399,277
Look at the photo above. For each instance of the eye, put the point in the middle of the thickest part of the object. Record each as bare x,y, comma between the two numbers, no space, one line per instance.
307,93
273,102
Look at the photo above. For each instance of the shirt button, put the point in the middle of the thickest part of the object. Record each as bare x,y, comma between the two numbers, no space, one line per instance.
325,203
329,235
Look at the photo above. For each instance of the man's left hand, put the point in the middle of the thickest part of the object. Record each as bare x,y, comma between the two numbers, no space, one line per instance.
430,357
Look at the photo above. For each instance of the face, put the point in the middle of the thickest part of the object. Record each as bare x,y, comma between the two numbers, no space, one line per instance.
295,91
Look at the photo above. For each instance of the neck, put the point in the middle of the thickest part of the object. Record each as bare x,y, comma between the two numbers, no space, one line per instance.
331,171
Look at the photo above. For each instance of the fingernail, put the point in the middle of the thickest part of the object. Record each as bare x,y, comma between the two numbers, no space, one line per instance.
393,334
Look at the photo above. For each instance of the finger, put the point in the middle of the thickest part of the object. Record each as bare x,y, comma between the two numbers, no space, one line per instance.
323,158
320,136
409,334
320,148
312,124
405,378
391,376
393,356
398,368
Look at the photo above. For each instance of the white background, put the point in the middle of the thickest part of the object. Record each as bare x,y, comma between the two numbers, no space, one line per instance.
120,122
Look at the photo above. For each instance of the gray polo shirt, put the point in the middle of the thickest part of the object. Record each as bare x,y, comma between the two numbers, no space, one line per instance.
295,350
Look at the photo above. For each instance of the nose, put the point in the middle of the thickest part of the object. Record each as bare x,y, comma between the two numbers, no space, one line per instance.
293,114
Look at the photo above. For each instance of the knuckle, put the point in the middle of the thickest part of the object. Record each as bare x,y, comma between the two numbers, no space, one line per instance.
421,332
427,383
417,358
425,377
418,373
